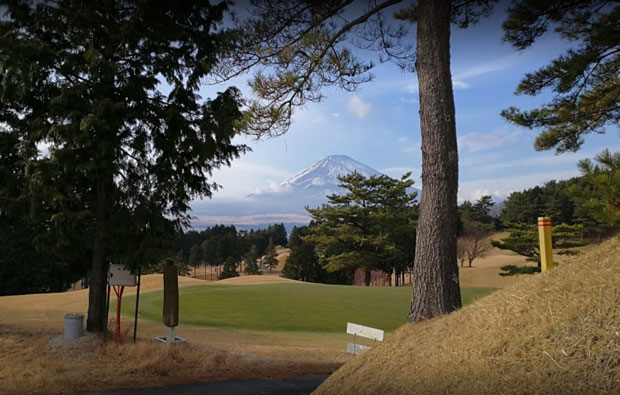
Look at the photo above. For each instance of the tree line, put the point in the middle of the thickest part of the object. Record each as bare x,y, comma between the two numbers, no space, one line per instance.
223,248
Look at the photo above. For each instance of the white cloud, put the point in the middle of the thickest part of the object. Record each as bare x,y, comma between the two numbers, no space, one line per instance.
502,187
459,84
358,107
243,177
475,142
250,219
488,67
540,160
412,87
272,187
398,171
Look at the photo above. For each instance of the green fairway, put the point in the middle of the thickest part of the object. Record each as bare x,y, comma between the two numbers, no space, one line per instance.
288,307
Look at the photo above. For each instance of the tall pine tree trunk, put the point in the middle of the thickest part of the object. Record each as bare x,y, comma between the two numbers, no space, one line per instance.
96,321
435,281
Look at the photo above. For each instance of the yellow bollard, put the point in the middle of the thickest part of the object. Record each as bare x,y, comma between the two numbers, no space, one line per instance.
544,234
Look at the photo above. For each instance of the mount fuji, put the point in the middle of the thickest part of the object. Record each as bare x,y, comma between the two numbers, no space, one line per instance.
286,201
321,178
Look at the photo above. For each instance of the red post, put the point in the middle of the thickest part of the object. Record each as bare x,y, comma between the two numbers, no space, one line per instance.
119,296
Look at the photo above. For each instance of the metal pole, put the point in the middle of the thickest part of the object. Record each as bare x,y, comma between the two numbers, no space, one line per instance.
107,311
135,320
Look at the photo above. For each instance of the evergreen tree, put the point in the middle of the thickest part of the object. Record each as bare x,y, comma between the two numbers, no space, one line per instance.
32,259
524,240
482,210
303,263
127,153
277,233
601,194
195,256
524,206
251,267
271,259
369,226
585,79
229,269
182,263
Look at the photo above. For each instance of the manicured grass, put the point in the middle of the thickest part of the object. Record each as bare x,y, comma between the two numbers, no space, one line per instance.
288,307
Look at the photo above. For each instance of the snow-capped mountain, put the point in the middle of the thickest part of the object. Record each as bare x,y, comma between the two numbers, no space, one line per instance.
285,203
325,172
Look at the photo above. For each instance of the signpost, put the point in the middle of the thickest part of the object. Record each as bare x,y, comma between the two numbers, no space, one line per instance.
363,331
118,279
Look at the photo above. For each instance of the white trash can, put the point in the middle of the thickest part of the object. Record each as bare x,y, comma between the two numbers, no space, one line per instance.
74,324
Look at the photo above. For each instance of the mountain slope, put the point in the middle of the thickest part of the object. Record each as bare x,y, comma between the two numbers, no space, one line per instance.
324,173
286,203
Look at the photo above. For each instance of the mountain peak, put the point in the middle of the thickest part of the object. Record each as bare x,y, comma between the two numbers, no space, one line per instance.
324,173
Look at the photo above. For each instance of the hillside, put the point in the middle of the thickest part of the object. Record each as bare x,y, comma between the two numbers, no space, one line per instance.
553,333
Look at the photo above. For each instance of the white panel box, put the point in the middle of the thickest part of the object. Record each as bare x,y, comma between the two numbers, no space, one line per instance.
356,349
118,275
365,331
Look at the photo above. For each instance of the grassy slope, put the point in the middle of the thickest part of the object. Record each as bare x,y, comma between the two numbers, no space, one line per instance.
288,307
553,333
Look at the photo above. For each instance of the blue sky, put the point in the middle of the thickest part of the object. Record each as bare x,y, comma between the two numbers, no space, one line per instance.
379,125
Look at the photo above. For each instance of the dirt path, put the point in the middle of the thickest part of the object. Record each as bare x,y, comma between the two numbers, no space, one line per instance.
300,385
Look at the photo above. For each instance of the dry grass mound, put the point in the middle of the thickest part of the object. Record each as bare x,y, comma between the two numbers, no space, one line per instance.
257,279
554,333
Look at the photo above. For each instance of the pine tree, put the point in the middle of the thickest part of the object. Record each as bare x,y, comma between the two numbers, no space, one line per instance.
601,194
229,269
112,87
251,267
524,240
369,226
271,259
303,263
585,79
195,256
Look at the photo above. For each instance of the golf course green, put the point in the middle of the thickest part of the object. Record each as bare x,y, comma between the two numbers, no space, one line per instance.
287,307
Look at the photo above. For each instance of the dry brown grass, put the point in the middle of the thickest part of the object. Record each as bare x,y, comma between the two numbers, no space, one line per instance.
554,333
39,361
258,279
33,357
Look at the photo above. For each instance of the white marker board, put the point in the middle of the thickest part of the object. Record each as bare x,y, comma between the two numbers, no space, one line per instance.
365,331
356,349
118,275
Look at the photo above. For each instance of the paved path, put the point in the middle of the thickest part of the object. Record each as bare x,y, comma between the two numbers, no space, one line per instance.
300,385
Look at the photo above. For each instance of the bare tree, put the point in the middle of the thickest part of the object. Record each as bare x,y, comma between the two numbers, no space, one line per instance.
472,246
461,250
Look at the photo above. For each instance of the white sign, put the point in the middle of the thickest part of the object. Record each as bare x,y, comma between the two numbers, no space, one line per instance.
118,275
365,331
356,349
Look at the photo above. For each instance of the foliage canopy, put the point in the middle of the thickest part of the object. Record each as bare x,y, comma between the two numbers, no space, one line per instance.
585,80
